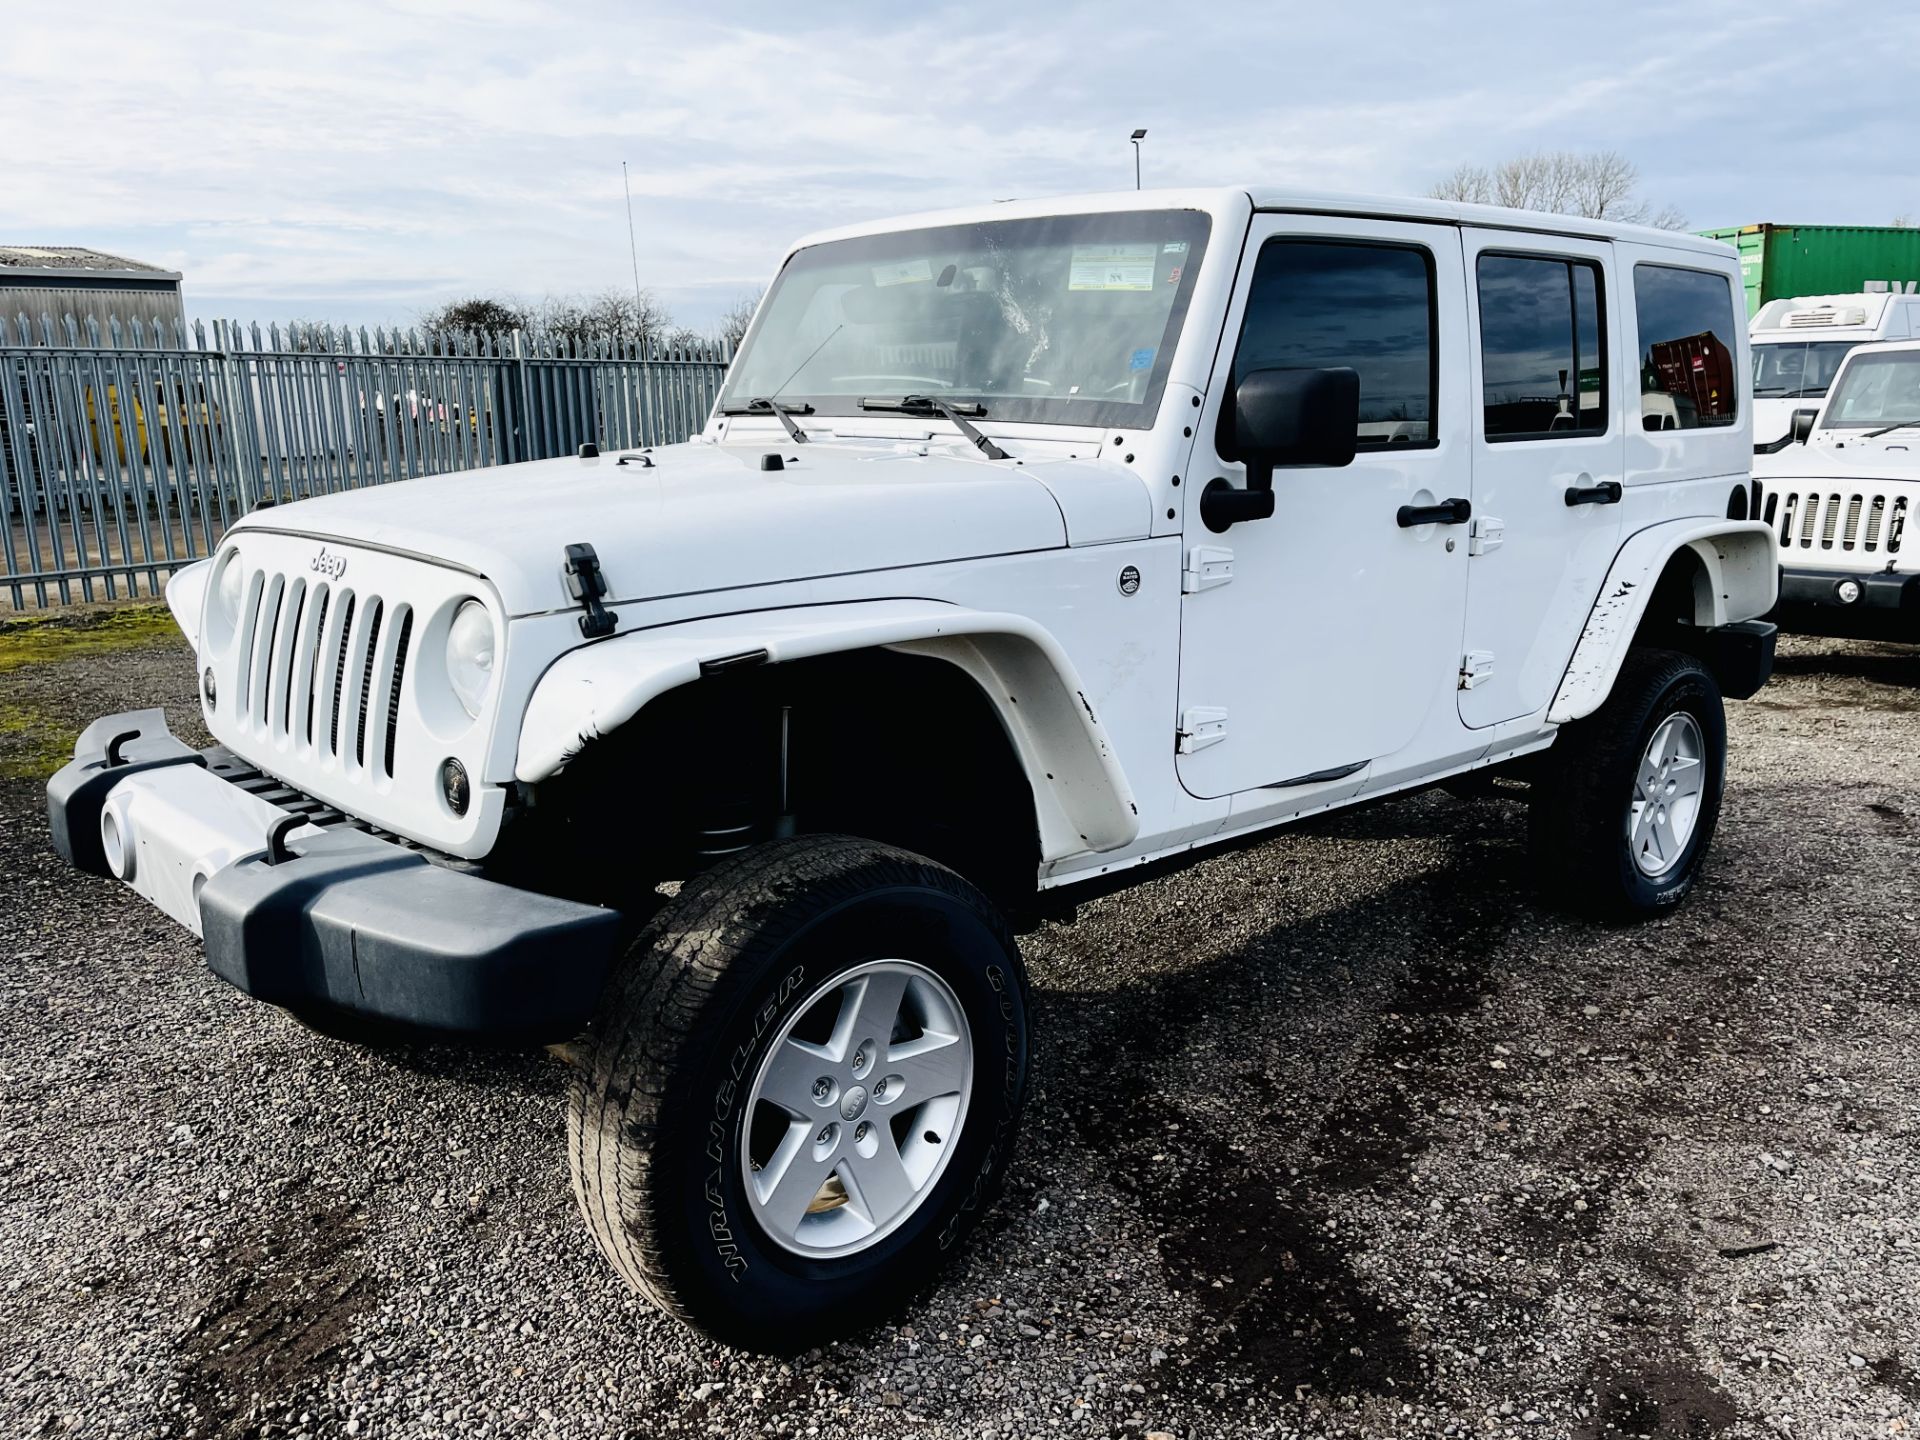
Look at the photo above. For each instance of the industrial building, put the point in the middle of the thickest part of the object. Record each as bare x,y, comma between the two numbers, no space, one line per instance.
62,280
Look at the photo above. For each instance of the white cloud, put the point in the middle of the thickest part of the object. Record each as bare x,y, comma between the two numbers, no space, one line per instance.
369,159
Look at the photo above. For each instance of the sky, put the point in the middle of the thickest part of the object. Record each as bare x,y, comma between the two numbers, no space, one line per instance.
362,163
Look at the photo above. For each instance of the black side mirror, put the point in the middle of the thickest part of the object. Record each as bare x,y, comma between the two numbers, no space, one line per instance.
1283,417
1799,431
1295,417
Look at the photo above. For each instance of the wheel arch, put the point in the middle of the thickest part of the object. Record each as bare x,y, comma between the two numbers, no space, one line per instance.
1081,798
1698,574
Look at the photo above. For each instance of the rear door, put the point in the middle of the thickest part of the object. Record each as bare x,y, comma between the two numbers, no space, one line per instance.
1549,454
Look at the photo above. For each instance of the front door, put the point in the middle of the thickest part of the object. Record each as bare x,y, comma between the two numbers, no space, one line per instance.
1327,636
1549,451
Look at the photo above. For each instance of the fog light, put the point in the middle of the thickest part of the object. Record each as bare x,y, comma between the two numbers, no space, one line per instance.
113,845
453,785
1848,591
207,687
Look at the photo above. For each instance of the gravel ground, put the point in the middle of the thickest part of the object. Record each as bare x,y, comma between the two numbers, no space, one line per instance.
1343,1134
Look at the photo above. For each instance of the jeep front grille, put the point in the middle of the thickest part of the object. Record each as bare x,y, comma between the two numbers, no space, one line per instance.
316,681
1837,519
320,670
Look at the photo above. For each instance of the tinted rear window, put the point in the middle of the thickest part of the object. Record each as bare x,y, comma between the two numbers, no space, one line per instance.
1542,376
1687,347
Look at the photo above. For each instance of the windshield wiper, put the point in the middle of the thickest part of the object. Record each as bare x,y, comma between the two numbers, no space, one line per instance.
933,404
781,409
1884,429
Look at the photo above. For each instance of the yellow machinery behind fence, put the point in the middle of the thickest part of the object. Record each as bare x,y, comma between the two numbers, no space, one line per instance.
187,427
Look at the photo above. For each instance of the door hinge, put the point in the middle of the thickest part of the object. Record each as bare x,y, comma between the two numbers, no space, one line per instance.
1485,533
1200,726
1477,666
1206,567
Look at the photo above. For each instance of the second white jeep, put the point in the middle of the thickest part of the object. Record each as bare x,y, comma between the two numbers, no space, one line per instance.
1029,549
1842,492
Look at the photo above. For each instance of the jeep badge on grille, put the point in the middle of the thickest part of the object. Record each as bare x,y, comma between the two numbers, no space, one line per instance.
331,566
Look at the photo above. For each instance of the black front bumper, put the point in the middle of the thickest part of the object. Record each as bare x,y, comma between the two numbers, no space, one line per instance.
1888,605
347,921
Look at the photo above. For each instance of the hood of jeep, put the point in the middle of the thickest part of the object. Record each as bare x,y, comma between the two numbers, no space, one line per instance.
702,517
1891,457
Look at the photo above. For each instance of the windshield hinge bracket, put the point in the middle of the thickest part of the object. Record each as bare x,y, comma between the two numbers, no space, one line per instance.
587,585
1206,567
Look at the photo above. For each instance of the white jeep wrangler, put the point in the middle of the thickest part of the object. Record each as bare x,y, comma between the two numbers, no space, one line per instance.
1029,549
1842,492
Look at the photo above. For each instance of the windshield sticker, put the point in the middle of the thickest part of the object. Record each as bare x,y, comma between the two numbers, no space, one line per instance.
1112,267
1140,360
903,272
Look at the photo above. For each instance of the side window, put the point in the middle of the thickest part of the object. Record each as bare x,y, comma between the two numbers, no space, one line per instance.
1326,304
1686,347
1543,372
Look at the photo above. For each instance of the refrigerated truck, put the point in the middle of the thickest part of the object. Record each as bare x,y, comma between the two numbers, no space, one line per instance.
1799,342
1788,260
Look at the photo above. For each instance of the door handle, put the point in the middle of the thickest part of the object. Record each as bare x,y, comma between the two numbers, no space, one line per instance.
1607,492
1448,512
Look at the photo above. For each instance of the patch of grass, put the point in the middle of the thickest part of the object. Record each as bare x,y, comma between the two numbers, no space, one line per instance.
32,746
46,639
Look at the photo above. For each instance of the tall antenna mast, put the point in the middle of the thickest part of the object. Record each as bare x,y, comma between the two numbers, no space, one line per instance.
633,247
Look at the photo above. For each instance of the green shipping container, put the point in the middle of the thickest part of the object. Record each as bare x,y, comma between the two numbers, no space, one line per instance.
1781,260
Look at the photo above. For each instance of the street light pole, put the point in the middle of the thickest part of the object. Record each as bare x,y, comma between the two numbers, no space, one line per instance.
1138,136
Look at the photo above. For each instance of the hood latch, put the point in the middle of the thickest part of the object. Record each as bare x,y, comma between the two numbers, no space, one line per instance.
588,585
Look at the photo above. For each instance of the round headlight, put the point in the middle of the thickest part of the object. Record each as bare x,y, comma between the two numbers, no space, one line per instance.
470,655
230,588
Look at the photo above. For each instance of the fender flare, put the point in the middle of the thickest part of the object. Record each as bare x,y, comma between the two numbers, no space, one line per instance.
187,598
1738,579
1082,800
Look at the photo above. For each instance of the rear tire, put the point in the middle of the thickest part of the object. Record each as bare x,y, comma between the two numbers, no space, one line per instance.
1627,799
773,1208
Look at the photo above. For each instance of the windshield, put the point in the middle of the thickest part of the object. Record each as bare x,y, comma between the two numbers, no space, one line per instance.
1796,369
1065,319
1877,390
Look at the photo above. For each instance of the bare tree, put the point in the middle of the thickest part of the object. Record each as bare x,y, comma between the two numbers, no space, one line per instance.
739,315
1601,185
613,314
483,314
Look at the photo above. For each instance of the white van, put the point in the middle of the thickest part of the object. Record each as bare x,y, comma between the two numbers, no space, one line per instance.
1798,345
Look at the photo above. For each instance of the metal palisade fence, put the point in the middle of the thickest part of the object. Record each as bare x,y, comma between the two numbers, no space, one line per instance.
125,452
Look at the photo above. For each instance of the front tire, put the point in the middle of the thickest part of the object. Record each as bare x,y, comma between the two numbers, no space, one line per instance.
801,1089
1629,796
